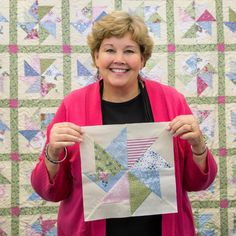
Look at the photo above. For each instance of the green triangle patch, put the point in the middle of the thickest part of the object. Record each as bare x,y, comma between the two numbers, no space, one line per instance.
45,63
138,192
105,162
4,180
190,10
192,32
89,11
44,10
210,68
232,15
151,63
155,18
43,34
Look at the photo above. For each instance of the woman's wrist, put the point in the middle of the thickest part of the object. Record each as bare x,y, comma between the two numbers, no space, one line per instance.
51,158
199,151
200,147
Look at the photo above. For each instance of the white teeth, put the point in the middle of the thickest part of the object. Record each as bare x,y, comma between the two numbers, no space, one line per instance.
118,70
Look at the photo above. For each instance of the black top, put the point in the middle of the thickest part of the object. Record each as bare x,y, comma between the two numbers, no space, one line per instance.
137,110
122,113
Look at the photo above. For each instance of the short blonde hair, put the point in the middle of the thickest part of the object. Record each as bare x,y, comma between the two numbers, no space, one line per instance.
117,24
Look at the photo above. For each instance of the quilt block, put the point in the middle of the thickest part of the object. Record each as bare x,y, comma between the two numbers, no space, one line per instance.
127,170
44,56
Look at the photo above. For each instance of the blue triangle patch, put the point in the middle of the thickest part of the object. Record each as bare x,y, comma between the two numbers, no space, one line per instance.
205,219
27,27
3,19
29,71
118,148
192,62
50,27
33,11
29,134
81,27
37,227
46,119
35,87
232,77
231,26
233,119
34,197
151,160
103,13
82,70
155,28
207,78
207,26
3,127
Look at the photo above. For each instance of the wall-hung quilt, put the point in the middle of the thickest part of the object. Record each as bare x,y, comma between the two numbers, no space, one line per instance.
44,56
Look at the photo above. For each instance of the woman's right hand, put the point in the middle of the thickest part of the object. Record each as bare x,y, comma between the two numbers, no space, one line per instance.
62,135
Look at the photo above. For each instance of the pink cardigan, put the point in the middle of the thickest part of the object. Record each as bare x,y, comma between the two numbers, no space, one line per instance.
83,107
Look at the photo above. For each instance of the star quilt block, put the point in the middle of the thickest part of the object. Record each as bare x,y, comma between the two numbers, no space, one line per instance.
127,170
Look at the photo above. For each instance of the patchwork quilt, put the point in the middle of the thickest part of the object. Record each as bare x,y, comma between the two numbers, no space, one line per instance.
44,56
127,170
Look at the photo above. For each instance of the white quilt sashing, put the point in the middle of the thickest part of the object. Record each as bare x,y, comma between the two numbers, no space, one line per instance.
127,170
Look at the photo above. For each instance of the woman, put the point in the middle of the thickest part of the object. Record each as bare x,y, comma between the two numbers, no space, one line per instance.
120,46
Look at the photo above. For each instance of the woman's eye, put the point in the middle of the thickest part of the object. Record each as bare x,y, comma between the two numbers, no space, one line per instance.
110,50
129,51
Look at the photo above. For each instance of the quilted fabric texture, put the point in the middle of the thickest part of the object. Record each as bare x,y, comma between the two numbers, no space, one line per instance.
43,56
128,170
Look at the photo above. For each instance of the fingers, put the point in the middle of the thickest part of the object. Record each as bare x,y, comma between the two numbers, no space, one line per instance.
70,126
65,134
180,128
186,127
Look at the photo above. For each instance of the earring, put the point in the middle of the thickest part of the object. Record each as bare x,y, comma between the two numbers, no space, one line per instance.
97,75
142,75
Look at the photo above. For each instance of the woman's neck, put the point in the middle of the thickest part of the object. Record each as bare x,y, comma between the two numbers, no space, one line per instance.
121,94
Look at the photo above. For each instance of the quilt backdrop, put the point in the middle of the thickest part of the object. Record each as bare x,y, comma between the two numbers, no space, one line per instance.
43,56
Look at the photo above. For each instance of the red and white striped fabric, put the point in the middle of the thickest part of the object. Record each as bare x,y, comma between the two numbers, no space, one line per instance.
137,147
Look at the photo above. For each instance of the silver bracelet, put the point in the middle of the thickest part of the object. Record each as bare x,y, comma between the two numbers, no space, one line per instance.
54,161
199,154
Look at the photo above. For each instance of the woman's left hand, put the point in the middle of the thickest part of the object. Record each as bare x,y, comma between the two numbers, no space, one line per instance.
187,127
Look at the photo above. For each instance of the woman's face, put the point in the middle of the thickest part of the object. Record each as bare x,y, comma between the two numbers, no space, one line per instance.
119,61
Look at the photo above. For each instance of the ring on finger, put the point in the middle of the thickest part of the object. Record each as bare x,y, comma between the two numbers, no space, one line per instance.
191,128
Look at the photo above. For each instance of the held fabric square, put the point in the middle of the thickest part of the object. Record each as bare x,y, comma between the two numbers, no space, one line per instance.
127,170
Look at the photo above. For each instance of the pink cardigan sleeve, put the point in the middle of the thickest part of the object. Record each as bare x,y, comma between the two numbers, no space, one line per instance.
193,178
60,187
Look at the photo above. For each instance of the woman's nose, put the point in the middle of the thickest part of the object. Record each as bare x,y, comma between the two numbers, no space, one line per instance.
119,58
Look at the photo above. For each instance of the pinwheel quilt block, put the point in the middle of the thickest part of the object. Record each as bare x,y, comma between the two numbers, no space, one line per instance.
127,170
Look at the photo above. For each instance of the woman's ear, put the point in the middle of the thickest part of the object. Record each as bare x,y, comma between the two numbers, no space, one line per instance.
96,58
143,62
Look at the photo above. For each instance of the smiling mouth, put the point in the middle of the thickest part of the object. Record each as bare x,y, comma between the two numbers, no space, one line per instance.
119,70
